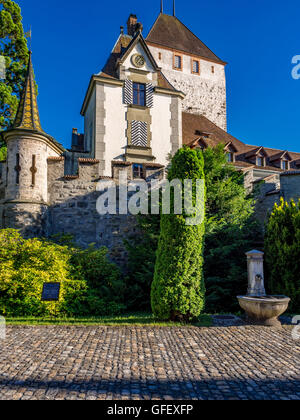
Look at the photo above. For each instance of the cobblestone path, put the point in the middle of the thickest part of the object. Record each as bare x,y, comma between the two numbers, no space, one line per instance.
113,363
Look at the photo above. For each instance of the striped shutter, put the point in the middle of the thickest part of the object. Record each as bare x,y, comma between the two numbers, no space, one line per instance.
149,95
139,133
128,92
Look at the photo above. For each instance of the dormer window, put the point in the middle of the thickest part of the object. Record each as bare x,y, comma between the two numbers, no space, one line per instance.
260,161
195,66
177,62
139,94
285,165
230,157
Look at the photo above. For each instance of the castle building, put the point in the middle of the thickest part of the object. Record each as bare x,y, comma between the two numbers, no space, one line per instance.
153,95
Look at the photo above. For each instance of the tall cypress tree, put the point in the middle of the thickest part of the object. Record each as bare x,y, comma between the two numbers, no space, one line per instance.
178,288
13,47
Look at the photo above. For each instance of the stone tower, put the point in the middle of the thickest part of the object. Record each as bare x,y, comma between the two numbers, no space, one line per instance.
191,67
25,202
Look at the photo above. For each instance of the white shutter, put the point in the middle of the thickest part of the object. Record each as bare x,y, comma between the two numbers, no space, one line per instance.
139,133
149,95
128,92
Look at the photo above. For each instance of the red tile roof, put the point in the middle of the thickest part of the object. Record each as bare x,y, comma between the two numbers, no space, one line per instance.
169,31
192,125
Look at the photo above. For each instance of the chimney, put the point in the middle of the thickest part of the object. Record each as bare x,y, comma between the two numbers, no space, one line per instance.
131,25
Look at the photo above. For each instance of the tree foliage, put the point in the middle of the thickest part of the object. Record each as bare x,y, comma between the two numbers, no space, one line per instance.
231,231
178,288
282,252
13,46
90,284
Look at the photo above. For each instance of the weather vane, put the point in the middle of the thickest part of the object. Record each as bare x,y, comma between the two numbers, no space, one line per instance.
29,35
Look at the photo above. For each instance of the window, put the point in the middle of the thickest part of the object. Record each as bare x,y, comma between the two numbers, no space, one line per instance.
138,171
177,62
230,157
139,94
285,165
18,168
213,69
260,161
195,66
159,56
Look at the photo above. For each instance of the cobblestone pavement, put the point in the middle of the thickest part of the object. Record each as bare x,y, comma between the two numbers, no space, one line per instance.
113,363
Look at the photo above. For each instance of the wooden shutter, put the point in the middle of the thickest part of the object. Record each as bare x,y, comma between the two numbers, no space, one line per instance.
128,92
139,133
149,95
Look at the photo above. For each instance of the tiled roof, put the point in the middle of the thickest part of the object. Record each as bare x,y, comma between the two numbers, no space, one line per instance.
169,31
88,160
27,116
123,43
192,125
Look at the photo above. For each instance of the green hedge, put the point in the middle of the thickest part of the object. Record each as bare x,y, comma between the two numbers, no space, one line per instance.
282,252
178,288
90,284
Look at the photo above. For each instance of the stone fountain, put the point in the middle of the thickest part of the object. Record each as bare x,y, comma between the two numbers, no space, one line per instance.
260,308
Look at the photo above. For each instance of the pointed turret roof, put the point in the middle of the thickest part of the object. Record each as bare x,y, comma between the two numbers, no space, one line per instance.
169,31
27,116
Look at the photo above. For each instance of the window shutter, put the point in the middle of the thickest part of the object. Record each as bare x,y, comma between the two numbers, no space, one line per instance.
128,92
149,95
139,133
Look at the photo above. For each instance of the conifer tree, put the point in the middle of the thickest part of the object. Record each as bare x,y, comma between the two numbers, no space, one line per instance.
13,47
178,290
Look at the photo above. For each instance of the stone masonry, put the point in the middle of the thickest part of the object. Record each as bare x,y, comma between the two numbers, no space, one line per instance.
134,363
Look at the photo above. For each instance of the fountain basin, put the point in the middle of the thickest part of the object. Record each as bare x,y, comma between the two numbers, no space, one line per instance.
264,310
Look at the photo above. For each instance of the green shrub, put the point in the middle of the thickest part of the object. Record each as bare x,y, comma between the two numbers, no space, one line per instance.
141,249
230,232
25,265
90,284
282,252
178,288
105,285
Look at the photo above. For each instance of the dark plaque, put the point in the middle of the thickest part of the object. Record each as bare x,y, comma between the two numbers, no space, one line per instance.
51,292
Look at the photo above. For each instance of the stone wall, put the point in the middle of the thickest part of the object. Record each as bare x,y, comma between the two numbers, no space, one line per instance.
72,210
290,185
205,92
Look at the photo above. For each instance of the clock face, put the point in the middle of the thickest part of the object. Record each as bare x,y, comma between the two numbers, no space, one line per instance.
138,60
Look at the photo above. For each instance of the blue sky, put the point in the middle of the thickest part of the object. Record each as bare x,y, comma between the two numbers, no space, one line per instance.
258,38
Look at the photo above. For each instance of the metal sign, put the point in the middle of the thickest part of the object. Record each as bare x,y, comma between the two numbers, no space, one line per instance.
51,292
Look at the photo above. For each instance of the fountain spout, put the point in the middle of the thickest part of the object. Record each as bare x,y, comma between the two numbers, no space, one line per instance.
256,284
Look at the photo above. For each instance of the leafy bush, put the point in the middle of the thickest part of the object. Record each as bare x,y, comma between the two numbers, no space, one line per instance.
105,286
230,232
90,284
141,250
178,287
282,252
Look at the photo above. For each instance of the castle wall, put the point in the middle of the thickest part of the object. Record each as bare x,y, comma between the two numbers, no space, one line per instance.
115,127
89,125
290,186
205,93
73,211
161,131
27,147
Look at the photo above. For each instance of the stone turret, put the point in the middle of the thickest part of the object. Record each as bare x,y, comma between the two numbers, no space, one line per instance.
25,173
